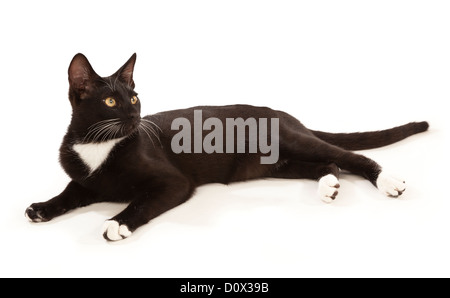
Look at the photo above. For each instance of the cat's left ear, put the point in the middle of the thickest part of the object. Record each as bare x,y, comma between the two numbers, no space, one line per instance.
125,73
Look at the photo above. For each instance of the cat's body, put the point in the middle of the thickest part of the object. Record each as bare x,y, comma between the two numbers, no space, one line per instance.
112,154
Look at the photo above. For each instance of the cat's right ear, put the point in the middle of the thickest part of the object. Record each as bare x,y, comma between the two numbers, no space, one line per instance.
81,75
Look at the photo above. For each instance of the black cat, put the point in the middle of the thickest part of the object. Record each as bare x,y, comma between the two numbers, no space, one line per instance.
112,154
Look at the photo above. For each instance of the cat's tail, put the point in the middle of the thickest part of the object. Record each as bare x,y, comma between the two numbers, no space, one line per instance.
372,139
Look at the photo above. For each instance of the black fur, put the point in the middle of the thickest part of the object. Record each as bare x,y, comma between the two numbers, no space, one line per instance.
144,171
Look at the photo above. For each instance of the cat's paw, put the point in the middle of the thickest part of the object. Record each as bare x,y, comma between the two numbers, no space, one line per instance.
113,231
328,186
389,185
36,213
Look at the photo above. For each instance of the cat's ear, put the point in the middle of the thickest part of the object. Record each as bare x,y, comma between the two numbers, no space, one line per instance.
125,73
81,75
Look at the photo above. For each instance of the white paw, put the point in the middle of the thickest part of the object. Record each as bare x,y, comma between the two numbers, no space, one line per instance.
112,231
390,185
328,186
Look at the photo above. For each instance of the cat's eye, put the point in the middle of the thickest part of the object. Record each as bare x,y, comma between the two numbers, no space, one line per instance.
134,99
110,102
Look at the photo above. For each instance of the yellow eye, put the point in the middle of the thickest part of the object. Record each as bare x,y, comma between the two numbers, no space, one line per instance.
134,99
110,102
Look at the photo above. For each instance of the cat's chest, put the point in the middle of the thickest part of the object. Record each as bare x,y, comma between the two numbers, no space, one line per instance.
94,155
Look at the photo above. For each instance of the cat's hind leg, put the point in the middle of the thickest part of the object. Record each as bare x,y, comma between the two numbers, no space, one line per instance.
309,148
326,174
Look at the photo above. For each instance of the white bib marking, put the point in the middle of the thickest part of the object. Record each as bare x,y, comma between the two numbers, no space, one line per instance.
94,154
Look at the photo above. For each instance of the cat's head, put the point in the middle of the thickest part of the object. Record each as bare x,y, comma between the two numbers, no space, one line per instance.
103,108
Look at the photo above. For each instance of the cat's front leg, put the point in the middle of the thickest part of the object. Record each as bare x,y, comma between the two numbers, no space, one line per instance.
148,205
73,196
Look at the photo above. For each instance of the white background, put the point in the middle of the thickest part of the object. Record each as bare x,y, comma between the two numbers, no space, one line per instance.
335,65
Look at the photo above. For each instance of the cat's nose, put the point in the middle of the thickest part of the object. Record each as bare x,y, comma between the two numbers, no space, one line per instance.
133,121
134,117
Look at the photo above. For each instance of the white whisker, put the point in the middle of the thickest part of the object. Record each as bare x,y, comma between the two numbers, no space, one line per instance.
152,123
102,130
106,130
102,122
145,131
148,130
